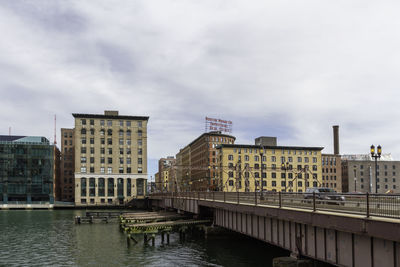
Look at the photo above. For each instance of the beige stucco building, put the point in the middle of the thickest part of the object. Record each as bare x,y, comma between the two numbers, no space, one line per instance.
110,158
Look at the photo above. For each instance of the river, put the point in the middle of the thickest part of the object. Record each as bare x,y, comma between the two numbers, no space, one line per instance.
50,238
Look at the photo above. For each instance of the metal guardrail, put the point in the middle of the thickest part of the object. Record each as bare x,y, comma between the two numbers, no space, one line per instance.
381,205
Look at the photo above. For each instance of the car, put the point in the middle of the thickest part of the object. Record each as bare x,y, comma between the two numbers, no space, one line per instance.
324,195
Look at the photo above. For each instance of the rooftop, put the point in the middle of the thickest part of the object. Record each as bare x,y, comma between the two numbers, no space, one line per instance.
108,114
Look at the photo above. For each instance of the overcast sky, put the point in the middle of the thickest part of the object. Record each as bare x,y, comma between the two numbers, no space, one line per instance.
290,69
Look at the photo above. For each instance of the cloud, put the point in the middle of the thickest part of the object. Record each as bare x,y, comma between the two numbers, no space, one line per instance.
286,69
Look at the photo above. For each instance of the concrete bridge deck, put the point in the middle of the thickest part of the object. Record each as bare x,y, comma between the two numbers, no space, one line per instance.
363,230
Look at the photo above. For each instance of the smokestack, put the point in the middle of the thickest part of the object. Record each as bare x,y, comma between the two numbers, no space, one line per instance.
336,139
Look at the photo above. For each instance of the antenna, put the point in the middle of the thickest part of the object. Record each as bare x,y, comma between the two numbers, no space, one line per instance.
9,130
55,129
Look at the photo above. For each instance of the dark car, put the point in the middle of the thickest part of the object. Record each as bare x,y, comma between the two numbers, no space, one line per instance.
324,195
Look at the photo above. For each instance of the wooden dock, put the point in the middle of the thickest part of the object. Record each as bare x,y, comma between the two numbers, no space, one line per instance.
151,223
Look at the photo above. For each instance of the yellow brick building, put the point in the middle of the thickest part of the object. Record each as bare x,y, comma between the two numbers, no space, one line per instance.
249,168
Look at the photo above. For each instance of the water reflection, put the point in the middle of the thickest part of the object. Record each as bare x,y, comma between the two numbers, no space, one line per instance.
50,238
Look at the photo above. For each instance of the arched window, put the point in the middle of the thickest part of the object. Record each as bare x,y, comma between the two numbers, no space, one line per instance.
92,190
83,187
128,187
121,132
101,187
110,186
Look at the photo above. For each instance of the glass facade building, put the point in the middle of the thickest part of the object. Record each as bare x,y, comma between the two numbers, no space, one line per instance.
26,170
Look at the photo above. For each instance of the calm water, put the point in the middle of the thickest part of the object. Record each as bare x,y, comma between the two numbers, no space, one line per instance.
50,238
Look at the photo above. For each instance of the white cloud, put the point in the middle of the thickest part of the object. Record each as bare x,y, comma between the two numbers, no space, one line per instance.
291,69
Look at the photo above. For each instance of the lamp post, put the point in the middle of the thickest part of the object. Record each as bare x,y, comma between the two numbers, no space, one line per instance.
355,179
261,168
285,167
376,156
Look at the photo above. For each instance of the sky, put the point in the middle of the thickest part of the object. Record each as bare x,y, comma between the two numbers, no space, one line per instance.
289,69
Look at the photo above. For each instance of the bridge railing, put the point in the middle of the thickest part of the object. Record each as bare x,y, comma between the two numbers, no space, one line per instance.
382,205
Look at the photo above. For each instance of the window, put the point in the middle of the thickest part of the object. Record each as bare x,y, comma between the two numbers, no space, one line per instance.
230,174
256,166
128,124
139,160
128,151
109,123
139,133
91,169
83,169
139,141
91,159
83,141
246,158
300,183
139,169
102,160
102,150
83,121
109,160
230,182
290,159
139,124
128,142
83,159
283,175
256,158
314,160
121,151
110,151
273,183
283,183
102,141
128,133
264,175
306,159
109,132
102,132
273,159
314,168
121,160
109,170
298,159
121,133
121,123
102,169
230,157
128,160
121,142
140,151
257,175
273,175
83,131
91,122
92,141
83,150
121,170
128,170
101,122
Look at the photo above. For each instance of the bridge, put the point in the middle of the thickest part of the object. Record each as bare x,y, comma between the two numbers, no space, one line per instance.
347,230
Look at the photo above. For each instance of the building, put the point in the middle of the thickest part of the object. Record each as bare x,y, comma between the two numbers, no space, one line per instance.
67,185
27,169
359,174
56,173
110,158
332,165
197,169
249,168
183,168
165,170
332,172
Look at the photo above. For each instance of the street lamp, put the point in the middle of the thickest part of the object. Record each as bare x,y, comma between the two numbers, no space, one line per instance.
355,179
285,167
376,156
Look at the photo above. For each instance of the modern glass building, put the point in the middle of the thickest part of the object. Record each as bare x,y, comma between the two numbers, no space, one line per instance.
26,170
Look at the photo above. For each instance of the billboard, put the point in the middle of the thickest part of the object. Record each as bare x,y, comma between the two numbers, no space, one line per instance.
213,124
